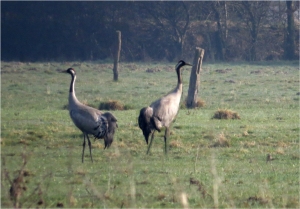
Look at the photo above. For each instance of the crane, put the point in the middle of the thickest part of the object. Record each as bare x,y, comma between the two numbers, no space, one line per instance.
90,120
162,112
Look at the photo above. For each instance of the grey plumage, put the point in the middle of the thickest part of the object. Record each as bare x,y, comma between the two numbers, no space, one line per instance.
90,120
162,112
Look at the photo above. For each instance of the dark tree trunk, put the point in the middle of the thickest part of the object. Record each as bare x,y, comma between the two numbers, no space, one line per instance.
253,24
218,38
254,13
117,50
289,51
253,41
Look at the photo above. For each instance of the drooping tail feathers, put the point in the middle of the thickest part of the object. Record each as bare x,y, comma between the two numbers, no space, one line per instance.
146,122
112,125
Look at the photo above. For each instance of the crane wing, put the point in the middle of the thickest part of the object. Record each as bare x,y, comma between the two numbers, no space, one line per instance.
89,122
101,128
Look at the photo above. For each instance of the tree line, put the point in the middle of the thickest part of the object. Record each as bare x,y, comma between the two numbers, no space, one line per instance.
164,30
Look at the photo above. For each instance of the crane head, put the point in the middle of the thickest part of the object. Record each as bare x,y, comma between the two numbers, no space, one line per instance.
70,71
183,63
180,64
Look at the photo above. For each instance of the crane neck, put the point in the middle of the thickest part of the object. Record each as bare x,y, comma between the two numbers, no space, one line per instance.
178,70
72,96
179,77
72,89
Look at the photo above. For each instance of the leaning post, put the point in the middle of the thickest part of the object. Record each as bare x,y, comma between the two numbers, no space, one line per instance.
195,78
117,50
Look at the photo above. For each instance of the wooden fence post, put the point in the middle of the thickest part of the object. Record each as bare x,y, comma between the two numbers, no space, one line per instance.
195,78
117,50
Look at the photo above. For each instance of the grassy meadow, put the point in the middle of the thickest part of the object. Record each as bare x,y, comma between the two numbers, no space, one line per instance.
211,163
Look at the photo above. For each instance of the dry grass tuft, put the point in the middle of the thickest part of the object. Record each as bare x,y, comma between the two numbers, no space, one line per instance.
245,133
18,184
280,150
98,144
111,105
199,103
80,172
255,199
121,144
281,144
161,196
221,141
199,185
226,114
175,144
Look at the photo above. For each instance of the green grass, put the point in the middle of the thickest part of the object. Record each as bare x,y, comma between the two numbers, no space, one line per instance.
36,128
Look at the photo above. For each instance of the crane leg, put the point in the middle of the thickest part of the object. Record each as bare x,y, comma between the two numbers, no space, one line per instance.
167,134
151,140
90,146
83,146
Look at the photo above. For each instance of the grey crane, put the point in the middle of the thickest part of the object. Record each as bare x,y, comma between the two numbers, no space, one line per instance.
162,112
90,120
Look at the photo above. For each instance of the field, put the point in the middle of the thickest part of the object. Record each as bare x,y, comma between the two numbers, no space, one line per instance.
211,163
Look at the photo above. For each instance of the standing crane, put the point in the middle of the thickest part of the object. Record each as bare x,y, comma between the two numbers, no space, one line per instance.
162,112
90,120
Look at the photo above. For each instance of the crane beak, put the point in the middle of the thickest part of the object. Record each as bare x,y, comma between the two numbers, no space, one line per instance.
188,64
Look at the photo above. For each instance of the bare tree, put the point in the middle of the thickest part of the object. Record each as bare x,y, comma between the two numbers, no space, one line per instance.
170,20
289,49
253,12
220,10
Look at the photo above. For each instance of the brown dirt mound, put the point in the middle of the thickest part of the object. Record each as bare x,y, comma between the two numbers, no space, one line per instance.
226,114
111,105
